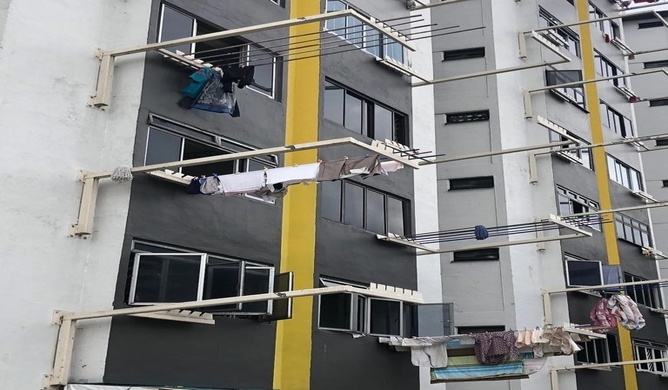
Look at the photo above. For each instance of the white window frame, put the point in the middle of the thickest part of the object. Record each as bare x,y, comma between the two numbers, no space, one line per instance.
244,52
650,350
204,257
585,202
354,310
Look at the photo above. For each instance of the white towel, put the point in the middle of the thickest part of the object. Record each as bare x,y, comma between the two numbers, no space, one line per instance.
241,183
293,175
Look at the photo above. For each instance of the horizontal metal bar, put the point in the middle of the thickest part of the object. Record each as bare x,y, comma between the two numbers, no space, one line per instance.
261,152
604,286
618,142
506,243
242,299
496,152
487,73
612,364
620,209
583,22
582,82
432,5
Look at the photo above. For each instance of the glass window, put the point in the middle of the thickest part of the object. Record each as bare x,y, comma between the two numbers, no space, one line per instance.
395,216
162,147
333,103
353,211
383,123
385,317
375,212
164,277
335,311
330,204
175,25
354,114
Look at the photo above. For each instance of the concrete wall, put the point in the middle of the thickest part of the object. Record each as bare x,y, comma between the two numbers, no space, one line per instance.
48,135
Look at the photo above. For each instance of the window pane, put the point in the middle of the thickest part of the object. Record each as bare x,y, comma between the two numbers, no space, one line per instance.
256,281
395,51
176,25
583,273
385,317
372,41
382,123
400,131
375,212
167,278
395,216
162,147
222,280
330,200
263,76
196,150
333,102
335,311
353,113
353,205
219,52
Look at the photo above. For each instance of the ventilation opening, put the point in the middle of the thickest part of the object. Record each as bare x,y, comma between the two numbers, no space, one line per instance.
468,183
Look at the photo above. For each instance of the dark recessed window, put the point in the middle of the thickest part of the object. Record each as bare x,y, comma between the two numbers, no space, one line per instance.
468,116
662,142
362,115
573,94
656,64
664,183
649,25
463,54
658,102
477,255
480,329
468,183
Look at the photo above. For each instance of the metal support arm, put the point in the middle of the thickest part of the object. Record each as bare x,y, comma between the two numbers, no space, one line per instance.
84,225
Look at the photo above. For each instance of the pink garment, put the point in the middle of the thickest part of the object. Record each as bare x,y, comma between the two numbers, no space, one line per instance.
601,315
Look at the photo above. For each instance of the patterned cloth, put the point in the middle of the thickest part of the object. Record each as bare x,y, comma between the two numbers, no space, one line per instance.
626,311
601,315
495,347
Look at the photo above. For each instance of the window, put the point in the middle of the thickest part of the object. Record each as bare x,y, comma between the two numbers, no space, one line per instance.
573,94
655,64
363,36
480,329
599,351
643,294
476,255
624,174
363,115
573,203
581,156
616,122
645,350
582,272
363,207
469,183
658,102
175,24
467,116
632,230
664,183
162,274
567,37
463,54
606,26
607,68
279,2
649,25
356,313
170,141
662,142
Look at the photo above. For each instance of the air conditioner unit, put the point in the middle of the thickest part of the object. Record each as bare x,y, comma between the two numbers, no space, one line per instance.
570,157
645,196
552,36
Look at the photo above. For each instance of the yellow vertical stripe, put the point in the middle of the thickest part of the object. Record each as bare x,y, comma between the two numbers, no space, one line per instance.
292,359
601,166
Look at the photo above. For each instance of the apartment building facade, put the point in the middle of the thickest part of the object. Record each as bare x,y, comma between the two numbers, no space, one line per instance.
152,243
502,288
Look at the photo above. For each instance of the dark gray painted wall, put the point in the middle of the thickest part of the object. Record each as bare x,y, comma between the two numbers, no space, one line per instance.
240,353
599,380
231,353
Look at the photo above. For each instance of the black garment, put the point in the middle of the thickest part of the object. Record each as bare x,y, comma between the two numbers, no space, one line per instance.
242,75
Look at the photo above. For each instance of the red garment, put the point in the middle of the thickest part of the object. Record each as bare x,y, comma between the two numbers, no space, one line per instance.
601,315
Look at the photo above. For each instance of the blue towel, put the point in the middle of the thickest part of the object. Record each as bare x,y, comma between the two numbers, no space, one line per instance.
454,373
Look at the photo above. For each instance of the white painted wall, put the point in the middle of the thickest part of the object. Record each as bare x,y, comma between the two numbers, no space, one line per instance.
47,72
425,185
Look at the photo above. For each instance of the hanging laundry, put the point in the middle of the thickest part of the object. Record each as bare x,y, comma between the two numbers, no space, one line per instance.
601,316
195,185
304,173
212,96
241,75
390,166
626,311
425,351
511,370
363,166
210,186
199,80
242,183
495,347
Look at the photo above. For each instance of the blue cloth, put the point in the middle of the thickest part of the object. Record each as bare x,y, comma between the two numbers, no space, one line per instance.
481,232
214,98
199,80
458,373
